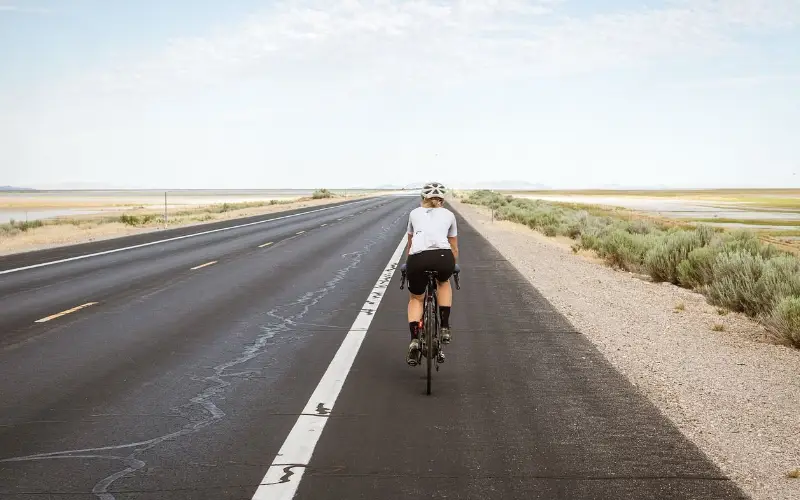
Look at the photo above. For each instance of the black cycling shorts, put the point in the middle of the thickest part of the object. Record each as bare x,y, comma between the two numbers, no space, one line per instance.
441,261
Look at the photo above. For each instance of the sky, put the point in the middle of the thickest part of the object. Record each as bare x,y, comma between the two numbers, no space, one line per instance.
361,93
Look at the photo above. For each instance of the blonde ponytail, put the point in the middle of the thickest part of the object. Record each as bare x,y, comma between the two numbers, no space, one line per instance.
432,202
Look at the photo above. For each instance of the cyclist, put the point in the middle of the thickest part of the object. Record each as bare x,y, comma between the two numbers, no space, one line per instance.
432,246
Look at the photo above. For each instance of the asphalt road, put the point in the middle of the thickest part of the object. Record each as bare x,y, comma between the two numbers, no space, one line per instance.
177,381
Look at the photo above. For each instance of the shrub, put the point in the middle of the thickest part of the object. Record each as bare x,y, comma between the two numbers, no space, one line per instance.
780,278
697,270
623,250
705,233
663,259
15,227
130,220
8,230
133,220
321,193
735,284
640,226
746,241
784,322
24,226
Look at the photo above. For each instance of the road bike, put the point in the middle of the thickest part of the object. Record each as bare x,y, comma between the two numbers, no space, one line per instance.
430,329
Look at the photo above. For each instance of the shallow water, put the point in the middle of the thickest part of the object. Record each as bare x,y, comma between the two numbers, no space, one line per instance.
7,215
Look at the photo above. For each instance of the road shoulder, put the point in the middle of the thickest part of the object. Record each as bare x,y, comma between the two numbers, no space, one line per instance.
732,394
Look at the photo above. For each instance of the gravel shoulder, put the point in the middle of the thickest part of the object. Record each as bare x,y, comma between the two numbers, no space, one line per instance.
734,394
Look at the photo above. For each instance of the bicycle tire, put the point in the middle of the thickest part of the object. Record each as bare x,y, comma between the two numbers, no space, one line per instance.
430,324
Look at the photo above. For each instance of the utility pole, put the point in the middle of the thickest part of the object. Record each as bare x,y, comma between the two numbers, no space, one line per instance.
165,209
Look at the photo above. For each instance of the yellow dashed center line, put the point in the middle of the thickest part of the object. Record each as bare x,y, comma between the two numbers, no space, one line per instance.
64,313
204,265
265,244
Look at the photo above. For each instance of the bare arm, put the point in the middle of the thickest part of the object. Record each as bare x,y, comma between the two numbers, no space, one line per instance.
454,245
410,232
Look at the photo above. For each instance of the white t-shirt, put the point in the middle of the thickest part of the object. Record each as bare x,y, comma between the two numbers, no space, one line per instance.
430,228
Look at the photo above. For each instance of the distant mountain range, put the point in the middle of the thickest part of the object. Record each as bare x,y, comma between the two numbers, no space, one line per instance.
12,188
502,185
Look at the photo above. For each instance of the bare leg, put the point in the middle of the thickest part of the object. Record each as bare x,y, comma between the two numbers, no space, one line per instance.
444,293
415,304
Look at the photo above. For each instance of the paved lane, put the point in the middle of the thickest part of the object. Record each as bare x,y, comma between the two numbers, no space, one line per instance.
185,383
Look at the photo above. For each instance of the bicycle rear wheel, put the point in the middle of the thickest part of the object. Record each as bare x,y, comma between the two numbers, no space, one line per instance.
430,325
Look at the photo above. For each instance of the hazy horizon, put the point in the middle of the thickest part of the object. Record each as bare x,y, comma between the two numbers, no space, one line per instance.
567,94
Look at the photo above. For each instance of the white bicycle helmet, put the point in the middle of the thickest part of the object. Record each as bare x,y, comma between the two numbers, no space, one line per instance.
433,190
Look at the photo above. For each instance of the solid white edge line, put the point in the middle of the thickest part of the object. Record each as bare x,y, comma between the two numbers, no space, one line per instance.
283,476
176,238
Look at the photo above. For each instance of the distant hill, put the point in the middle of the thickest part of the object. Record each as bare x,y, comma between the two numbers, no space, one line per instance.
12,188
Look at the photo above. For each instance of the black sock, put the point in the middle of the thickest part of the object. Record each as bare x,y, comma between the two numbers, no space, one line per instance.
413,326
444,312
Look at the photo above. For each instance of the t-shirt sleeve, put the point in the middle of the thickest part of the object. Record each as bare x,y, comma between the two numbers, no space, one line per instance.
453,231
410,229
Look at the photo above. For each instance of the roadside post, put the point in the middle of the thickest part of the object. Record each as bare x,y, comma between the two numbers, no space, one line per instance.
165,209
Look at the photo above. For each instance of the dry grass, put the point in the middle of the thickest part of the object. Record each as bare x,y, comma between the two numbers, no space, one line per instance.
680,307
718,327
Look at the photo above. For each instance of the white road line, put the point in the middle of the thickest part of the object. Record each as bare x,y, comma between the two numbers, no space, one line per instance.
265,244
201,266
300,232
323,225
283,476
64,313
176,238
